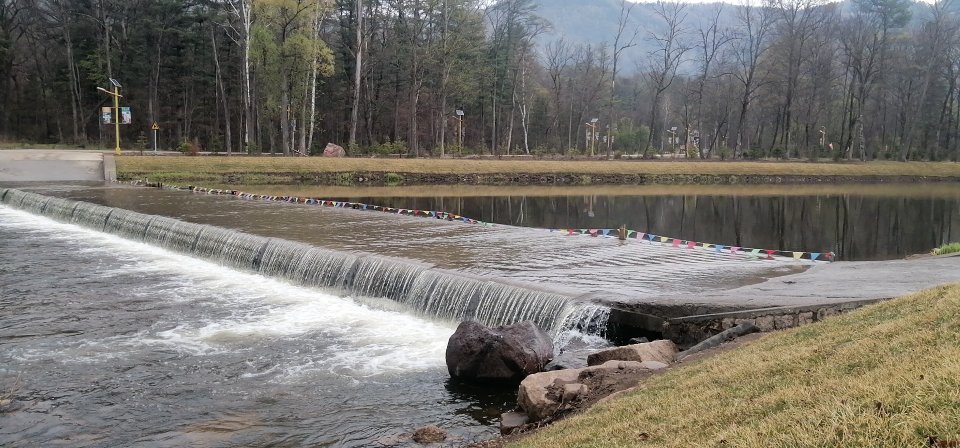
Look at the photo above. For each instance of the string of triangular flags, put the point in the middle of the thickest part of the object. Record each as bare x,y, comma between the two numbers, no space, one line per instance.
767,254
338,204
763,254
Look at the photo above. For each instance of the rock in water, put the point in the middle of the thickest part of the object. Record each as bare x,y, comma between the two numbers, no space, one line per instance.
333,150
502,354
429,434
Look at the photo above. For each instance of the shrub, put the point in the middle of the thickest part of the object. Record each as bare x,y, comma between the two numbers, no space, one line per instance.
392,179
951,248
345,179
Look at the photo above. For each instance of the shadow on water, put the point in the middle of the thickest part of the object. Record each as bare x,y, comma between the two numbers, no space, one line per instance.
484,402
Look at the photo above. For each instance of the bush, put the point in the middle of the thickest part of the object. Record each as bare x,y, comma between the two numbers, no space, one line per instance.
189,148
389,147
630,138
725,153
951,248
392,179
344,179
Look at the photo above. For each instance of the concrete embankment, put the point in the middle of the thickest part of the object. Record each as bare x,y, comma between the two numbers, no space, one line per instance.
30,165
783,302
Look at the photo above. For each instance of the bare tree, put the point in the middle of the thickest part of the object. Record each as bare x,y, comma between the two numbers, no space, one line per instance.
748,48
864,41
623,40
933,38
712,41
558,57
241,10
798,22
670,47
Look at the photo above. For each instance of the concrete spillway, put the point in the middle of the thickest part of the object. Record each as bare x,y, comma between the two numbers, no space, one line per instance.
30,165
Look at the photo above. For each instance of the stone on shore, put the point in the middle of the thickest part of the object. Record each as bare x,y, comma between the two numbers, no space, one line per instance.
476,352
542,395
663,351
333,150
510,421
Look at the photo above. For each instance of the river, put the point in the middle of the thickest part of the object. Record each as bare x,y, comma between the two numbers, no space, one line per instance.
106,341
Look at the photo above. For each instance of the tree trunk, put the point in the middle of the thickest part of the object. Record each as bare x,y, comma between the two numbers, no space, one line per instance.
355,109
285,111
228,136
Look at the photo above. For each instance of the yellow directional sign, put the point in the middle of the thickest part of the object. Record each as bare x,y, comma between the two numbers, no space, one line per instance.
155,127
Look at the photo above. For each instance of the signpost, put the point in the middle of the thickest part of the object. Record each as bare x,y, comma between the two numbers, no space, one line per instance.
156,130
116,119
460,128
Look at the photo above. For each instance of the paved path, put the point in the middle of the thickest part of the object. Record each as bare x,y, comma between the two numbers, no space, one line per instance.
830,284
28,165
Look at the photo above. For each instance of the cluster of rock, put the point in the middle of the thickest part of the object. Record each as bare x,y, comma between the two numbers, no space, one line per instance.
519,353
547,394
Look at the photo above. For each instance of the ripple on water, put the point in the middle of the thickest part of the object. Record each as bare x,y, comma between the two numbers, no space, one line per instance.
157,349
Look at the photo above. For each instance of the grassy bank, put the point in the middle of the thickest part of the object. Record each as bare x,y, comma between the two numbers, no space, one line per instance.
254,170
946,190
882,376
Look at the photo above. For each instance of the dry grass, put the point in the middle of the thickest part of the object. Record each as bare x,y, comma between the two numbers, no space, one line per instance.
883,376
147,165
938,190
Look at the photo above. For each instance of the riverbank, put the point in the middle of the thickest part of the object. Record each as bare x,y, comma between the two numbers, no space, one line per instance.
881,376
349,171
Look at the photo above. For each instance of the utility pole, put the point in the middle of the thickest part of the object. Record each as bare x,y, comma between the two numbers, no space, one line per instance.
593,134
460,128
116,110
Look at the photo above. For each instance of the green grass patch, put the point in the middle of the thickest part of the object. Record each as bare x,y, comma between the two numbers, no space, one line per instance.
392,179
951,248
881,376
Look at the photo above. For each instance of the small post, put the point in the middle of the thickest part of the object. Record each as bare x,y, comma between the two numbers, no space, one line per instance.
116,120
622,232
156,130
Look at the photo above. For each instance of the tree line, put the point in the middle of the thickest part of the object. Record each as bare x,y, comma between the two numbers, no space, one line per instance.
862,79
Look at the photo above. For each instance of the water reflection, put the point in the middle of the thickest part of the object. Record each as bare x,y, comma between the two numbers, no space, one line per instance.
859,222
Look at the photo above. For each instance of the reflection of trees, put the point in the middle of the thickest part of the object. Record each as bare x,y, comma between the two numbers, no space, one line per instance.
855,227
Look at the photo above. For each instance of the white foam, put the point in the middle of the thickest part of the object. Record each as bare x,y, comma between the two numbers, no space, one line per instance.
368,341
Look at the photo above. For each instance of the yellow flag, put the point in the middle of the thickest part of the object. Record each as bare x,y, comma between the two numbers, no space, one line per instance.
797,255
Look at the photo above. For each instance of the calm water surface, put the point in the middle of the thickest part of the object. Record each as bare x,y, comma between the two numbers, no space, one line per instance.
858,222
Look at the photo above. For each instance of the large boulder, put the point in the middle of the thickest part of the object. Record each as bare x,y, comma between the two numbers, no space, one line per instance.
333,150
664,351
503,354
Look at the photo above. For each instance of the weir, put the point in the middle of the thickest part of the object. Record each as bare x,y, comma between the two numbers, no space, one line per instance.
420,287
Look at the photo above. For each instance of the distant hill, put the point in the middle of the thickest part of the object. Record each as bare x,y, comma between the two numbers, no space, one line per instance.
595,22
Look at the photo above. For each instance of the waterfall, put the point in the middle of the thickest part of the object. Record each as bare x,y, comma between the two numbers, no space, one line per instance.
420,287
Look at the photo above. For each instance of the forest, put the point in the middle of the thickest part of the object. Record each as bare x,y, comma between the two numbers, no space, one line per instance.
860,79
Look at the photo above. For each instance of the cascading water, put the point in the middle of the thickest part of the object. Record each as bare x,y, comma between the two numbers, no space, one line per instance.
418,286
